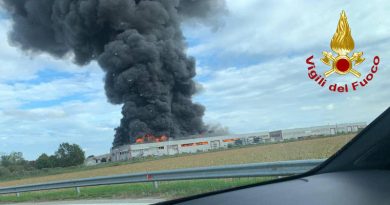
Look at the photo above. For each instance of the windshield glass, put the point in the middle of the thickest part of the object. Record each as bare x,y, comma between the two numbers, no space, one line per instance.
180,97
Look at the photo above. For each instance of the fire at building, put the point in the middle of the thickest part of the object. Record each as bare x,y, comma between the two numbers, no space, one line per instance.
150,145
149,138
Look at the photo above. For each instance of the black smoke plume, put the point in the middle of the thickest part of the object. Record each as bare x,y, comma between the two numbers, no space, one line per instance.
139,45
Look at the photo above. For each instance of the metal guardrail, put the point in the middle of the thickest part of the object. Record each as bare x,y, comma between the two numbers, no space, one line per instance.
282,168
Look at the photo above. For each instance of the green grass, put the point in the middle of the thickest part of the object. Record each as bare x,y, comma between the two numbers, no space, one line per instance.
294,150
165,190
62,170
305,149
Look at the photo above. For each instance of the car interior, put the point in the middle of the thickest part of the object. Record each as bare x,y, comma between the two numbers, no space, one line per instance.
358,174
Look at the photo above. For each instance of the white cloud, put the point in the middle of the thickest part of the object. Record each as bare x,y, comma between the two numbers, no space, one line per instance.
330,106
311,107
274,91
89,124
17,65
278,94
276,29
88,119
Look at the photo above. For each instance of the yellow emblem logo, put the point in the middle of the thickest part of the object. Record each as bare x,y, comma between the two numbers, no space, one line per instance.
342,43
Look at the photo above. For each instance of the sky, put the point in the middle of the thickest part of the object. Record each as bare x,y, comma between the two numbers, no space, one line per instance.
251,68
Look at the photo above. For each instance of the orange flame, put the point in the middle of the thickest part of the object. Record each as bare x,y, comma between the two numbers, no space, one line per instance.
151,138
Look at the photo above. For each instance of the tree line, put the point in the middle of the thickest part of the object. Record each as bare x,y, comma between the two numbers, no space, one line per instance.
67,155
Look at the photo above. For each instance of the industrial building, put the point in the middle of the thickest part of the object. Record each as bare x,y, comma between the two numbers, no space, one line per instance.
185,145
93,160
195,144
326,130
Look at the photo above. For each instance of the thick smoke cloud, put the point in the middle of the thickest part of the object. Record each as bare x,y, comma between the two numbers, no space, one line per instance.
140,46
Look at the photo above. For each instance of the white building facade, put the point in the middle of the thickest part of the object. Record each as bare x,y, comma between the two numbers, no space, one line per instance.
188,145
202,144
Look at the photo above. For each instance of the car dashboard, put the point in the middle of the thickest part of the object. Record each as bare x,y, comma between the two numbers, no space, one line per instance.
365,187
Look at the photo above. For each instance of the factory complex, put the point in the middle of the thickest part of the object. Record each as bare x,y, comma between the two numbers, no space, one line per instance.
195,144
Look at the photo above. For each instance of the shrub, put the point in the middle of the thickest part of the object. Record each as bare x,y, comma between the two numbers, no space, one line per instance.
4,172
69,155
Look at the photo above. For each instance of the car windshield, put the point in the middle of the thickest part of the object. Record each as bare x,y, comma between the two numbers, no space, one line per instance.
143,101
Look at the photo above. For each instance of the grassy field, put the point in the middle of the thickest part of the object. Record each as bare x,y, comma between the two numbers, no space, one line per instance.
305,149
166,190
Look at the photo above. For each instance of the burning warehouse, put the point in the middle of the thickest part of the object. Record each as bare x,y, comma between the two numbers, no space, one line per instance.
150,138
190,144
159,146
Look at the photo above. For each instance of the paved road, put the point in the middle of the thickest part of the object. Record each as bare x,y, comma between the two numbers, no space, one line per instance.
97,202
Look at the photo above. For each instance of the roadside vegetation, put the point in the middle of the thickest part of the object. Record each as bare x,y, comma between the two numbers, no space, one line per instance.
315,148
14,166
165,190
